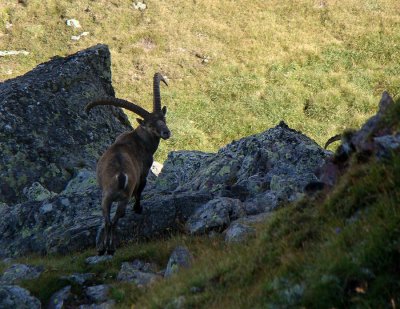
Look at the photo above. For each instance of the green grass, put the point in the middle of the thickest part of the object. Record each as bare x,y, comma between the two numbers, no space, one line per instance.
319,68
341,251
332,250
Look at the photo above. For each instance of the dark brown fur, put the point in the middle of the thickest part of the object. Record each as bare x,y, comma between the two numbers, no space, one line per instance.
122,170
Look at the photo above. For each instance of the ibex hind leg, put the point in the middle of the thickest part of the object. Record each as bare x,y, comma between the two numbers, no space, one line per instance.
103,236
118,214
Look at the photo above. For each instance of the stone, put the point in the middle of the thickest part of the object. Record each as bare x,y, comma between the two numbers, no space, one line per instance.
238,232
156,168
18,272
4,53
98,293
180,258
78,37
73,23
93,260
12,296
262,203
58,299
386,145
139,5
36,192
138,272
46,134
79,278
215,215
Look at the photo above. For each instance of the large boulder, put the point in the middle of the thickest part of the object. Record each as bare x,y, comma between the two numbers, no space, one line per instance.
279,162
13,296
249,176
45,135
70,221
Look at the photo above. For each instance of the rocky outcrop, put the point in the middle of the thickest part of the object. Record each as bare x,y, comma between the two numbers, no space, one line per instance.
198,192
12,296
374,138
18,272
45,136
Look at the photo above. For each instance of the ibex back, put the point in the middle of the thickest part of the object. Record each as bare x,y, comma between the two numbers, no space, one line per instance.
123,168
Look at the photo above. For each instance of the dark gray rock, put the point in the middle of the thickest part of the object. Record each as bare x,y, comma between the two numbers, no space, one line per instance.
215,215
58,299
70,221
17,272
98,293
136,273
44,132
262,203
270,167
12,296
93,260
238,232
180,258
79,278
279,160
142,266
387,144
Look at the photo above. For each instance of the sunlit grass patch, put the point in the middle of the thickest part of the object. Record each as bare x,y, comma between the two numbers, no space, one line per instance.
266,61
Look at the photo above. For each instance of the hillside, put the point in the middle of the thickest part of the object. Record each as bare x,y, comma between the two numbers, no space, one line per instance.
249,211
234,68
332,248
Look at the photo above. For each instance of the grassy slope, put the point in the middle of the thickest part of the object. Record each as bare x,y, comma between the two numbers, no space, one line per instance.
338,250
318,67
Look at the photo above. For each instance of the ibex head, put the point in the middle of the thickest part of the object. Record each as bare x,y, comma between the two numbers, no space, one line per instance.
153,122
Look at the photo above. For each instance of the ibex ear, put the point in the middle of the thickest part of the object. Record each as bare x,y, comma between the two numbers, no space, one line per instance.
164,110
140,121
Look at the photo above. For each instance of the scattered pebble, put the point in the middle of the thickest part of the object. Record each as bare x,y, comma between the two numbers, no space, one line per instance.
78,37
139,6
73,23
4,53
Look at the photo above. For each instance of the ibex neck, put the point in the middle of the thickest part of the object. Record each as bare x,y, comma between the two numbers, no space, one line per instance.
149,140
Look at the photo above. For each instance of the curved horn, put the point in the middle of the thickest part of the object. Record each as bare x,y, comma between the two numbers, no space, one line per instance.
156,91
335,138
119,103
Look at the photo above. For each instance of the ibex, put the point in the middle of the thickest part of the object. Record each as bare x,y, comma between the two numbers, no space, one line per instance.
122,169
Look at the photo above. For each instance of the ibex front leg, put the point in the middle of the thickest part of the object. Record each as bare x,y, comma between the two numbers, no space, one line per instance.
103,239
137,207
